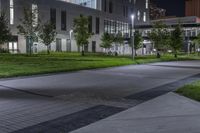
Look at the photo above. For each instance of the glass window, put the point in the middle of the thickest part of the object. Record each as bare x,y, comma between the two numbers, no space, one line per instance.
35,12
144,17
53,17
97,25
63,20
11,12
138,15
13,44
105,6
110,7
114,27
147,4
90,24
86,3
10,45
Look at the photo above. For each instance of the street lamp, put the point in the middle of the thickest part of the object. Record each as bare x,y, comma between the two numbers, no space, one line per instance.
70,34
133,34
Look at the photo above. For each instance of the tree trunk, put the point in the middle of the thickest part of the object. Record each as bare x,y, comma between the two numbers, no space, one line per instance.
48,51
123,50
83,51
135,52
30,43
132,53
158,54
175,55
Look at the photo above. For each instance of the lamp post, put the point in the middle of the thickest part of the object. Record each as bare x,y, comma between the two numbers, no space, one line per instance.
70,36
133,35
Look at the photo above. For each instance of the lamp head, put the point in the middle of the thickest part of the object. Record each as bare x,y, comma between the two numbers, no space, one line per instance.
132,16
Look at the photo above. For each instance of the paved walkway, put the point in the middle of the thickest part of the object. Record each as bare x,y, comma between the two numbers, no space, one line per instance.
58,100
169,113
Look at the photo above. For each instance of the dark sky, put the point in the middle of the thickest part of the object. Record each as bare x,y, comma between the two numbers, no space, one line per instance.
173,7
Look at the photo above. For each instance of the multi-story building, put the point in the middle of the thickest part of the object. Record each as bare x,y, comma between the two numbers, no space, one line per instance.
192,8
111,16
190,27
156,12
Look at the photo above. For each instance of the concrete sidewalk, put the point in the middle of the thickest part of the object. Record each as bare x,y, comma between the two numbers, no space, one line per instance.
69,101
170,113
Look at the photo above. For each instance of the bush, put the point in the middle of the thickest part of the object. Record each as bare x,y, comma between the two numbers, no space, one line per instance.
3,50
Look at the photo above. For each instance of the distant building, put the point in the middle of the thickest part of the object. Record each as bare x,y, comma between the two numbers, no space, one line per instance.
192,8
173,7
190,26
156,12
110,16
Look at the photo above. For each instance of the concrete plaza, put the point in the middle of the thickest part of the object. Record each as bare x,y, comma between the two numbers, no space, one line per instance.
169,113
29,104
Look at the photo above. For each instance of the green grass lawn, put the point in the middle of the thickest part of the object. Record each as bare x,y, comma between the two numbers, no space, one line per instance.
192,91
21,65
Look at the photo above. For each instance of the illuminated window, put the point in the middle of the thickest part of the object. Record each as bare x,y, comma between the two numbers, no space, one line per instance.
147,4
114,27
35,12
138,15
145,17
86,3
11,12
13,45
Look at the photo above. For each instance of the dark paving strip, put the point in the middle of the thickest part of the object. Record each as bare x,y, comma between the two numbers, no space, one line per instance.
163,89
28,92
186,67
73,121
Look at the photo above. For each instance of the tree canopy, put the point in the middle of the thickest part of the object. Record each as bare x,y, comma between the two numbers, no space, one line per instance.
81,31
47,34
138,40
30,26
5,34
106,40
159,36
176,39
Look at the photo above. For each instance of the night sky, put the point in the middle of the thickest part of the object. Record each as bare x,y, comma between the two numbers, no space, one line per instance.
173,7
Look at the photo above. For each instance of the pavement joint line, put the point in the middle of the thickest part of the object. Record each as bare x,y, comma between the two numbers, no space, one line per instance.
77,126
40,75
162,89
171,84
70,72
27,92
184,67
158,117
73,121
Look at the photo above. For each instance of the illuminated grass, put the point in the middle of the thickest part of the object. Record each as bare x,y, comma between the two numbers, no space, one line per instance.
192,91
21,65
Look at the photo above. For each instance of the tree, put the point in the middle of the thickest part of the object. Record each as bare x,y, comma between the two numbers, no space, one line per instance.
29,26
176,39
196,41
119,39
159,36
47,34
5,34
137,41
81,32
106,40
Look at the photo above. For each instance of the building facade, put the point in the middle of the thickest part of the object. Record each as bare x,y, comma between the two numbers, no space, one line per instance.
156,12
190,26
111,16
192,8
